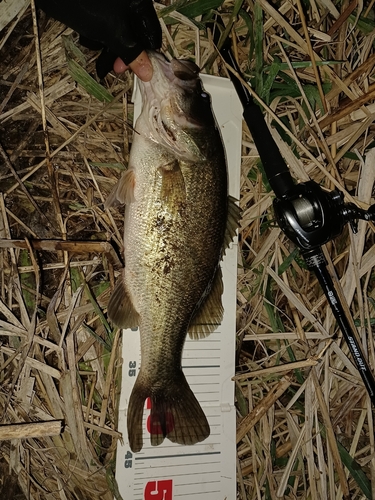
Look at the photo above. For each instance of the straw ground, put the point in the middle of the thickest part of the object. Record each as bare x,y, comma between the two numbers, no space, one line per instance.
305,423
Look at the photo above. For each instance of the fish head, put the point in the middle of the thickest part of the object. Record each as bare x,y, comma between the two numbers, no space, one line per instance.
175,107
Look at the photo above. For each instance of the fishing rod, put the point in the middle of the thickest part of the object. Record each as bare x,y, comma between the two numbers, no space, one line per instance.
307,214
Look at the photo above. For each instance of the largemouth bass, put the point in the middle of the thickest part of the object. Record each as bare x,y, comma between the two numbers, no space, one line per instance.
177,207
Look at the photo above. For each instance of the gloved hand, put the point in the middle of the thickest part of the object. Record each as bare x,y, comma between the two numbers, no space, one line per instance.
123,28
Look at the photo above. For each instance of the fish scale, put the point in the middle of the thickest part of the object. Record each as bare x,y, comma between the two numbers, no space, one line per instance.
175,223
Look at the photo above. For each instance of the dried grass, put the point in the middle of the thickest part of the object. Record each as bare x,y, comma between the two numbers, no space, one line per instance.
303,413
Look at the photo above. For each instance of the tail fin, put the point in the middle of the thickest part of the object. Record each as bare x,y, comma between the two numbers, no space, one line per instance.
175,413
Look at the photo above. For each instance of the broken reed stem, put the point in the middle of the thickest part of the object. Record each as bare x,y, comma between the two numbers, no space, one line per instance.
32,430
79,247
257,413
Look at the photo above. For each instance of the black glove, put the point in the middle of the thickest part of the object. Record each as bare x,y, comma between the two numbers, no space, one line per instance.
123,28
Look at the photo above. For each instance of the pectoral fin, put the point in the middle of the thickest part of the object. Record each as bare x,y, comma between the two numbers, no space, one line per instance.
210,313
120,307
123,192
173,190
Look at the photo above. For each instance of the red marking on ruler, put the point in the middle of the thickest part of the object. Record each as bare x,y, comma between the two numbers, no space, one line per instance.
158,490
154,427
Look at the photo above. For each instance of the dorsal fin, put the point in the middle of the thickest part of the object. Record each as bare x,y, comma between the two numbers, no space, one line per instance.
210,313
234,215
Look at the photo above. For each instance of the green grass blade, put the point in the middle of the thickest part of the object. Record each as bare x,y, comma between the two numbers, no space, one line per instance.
72,51
97,337
91,86
27,282
287,262
304,64
365,24
270,80
355,471
258,48
250,29
191,8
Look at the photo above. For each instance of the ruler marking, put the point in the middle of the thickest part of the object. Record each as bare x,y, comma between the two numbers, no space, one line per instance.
200,366
193,475
163,474
139,481
203,384
202,455
214,444
204,353
143,466
206,482
180,455
141,470
211,483
206,347
140,464
195,494
198,464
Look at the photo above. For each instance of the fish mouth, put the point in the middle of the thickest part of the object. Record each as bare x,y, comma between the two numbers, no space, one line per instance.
181,72
168,99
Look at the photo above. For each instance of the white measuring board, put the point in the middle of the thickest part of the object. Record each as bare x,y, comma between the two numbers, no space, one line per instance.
206,470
